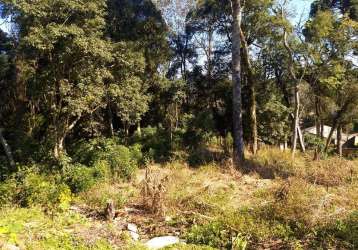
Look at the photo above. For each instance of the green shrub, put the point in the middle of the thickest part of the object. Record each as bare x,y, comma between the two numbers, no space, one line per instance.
121,160
214,234
343,232
34,189
80,178
101,170
315,142
155,143
136,153
348,229
7,192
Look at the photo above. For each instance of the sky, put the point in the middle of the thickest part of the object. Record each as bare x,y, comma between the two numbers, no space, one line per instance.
302,8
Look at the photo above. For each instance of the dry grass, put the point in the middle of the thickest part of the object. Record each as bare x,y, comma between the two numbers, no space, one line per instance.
98,195
280,203
273,163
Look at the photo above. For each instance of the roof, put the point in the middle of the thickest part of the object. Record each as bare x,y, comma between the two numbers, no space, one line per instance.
352,142
326,131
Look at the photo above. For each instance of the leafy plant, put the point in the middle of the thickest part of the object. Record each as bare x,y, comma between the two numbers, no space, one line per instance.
214,234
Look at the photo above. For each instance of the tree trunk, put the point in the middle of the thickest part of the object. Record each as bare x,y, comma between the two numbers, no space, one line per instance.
295,129
7,150
238,150
139,130
317,118
253,121
60,136
251,81
329,139
59,147
296,94
339,140
301,139
110,121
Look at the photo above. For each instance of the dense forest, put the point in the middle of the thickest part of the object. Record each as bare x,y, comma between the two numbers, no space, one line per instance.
209,124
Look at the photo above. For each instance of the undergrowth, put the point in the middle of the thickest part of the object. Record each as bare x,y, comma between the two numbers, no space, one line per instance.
282,204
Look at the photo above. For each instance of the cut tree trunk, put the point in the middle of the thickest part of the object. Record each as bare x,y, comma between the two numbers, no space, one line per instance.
110,211
238,150
7,150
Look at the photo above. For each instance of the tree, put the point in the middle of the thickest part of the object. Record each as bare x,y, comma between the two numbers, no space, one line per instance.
128,95
140,27
334,71
238,151
296,131
349,7
63,43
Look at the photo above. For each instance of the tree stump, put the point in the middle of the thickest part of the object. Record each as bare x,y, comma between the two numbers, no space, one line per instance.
110,211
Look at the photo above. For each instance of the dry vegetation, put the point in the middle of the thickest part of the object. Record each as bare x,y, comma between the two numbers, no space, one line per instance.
279,205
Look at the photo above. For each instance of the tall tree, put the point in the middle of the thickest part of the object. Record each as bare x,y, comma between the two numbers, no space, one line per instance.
238,151
63,43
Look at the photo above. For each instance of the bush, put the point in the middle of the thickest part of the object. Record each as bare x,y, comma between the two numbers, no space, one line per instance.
7,192
347,230
80,178
199,130
214,234
28,188
155,143
121,160
315,142
136,153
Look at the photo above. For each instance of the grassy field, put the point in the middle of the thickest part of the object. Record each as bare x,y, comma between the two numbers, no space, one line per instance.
279,205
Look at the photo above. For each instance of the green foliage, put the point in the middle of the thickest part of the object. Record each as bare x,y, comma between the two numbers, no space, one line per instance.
187,247
29,188
80,178
121,160
127,92
346,230
315,142
37,189
71,54
155,143
19,225
199,130
214,234
7,192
